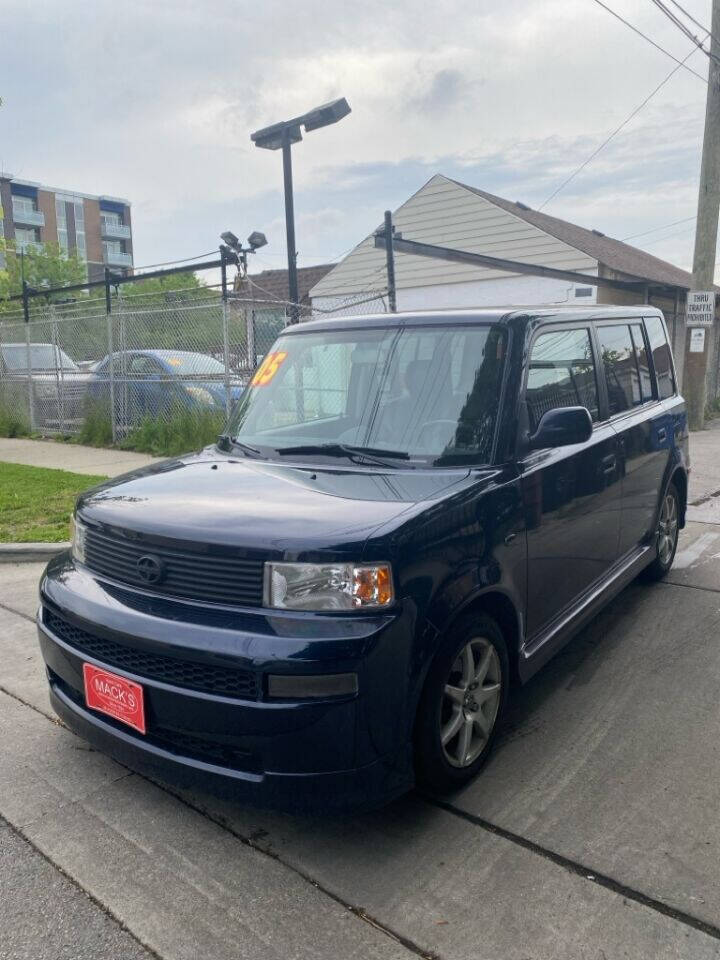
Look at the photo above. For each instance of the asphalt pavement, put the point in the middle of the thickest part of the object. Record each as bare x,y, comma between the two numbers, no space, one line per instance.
592,833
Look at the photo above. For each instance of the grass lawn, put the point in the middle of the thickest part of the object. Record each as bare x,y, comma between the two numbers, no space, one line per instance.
36,503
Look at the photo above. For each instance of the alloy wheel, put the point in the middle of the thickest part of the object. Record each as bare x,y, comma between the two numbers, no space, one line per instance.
667,529
470,703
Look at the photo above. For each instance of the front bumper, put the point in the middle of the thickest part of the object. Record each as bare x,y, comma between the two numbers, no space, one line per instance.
342,753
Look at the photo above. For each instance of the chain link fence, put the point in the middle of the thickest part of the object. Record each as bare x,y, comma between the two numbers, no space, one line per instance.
150,361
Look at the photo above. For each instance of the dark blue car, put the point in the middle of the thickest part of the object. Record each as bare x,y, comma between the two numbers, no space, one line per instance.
408,514
155,382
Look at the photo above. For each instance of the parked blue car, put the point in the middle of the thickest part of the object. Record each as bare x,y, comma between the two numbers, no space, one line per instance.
154,382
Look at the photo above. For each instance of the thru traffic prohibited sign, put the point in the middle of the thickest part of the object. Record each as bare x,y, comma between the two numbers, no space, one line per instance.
700,308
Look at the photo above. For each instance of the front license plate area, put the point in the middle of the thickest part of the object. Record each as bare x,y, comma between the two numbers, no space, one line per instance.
115,696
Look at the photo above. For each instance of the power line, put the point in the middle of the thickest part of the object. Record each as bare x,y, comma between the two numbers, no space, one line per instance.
668,236
692,18
685,30
171,263
616,131
674,19
634,236
652,42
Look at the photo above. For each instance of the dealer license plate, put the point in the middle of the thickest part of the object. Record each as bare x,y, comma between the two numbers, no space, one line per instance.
115,696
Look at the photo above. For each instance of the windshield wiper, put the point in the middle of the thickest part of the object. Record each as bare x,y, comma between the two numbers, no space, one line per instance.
377,455
226,442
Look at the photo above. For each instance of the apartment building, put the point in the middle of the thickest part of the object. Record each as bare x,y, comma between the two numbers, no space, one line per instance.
96,228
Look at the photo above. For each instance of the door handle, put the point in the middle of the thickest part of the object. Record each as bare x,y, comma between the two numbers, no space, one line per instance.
609,464
662,435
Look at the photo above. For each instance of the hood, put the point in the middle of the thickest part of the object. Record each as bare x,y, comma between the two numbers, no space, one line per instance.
214,498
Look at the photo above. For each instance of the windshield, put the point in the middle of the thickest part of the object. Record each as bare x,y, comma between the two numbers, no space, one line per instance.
186,364
43,356
429,392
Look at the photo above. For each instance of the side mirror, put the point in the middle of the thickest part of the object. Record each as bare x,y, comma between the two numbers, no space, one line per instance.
562,427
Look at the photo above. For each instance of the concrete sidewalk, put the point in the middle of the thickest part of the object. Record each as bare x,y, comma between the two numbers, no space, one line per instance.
704,493
72,457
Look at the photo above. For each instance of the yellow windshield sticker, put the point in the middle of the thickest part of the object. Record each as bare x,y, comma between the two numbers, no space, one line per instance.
175,361
268,368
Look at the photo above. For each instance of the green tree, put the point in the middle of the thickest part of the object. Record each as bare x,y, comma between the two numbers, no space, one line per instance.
42,266
161,286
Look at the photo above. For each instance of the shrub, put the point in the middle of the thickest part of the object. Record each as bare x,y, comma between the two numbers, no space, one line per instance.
96,430
13,423
181,431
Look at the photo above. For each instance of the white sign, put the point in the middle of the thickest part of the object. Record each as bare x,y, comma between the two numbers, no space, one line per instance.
697,340
700,308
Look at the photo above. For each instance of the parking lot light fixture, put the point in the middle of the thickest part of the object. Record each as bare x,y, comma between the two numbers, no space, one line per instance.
281,136
232,250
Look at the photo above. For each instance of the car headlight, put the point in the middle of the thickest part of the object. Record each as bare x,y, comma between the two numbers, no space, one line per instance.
77,534
201,395
328,586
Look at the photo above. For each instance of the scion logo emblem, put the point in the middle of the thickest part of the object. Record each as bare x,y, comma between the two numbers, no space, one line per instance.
150,569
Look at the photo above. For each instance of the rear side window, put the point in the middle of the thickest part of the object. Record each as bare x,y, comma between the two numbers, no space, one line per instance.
621,368
561,374
662,359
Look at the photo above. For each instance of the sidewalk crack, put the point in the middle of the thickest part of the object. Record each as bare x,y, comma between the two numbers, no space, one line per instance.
579,869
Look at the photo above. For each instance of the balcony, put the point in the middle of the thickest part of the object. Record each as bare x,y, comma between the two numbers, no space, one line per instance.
114,231
27,217
115,258
25,245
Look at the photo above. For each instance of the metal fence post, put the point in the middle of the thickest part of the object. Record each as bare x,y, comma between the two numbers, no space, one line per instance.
251,349
226,356
26,315
59,373
226,332
108,314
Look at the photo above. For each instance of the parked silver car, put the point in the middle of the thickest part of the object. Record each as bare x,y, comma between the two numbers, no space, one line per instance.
53,387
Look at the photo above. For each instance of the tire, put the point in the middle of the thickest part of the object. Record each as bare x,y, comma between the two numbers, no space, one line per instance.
449,700
666,536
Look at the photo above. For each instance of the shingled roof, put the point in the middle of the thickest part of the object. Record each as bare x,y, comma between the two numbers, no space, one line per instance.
273,284
612,253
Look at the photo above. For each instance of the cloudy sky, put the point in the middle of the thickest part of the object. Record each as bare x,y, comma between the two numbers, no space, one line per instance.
155,101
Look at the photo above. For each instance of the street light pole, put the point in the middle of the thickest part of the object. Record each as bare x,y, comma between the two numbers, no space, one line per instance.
281,136
293,293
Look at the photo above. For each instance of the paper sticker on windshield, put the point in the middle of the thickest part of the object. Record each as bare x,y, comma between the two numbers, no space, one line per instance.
174,361
268,368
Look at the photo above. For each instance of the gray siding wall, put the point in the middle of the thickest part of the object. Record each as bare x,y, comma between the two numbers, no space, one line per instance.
445,213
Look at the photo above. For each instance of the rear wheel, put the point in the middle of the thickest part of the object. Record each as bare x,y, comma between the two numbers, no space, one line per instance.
666,535
461,705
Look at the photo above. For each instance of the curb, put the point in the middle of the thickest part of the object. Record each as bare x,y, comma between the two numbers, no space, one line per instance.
31,552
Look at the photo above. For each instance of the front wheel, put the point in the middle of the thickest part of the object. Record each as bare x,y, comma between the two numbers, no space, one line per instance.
462,702
666,535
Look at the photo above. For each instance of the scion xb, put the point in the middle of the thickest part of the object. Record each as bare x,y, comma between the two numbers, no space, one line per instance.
406,515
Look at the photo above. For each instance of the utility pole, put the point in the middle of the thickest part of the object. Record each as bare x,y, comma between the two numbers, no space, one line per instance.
390,262
700,348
